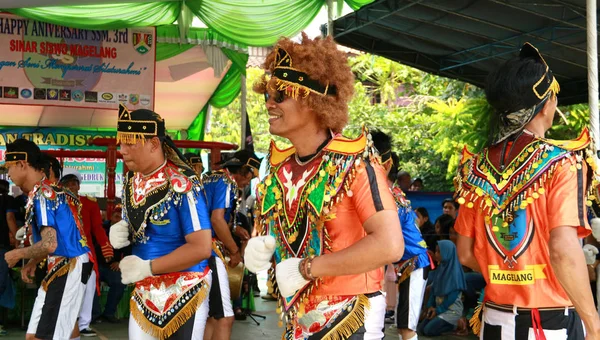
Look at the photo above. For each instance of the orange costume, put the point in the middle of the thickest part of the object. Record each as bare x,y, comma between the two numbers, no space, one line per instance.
318,207
511,221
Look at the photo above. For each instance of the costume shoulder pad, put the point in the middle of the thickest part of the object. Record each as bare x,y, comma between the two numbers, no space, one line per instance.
579,143
179,181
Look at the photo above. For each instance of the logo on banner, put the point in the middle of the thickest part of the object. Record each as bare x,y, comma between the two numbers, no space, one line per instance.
65,95
39,94
107,98
77,95
11,92
145,100
26,93
122,97
134,99
91,96
52,94
142,42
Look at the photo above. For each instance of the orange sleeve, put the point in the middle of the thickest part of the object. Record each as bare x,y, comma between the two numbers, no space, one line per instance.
465,221
566,197
370,191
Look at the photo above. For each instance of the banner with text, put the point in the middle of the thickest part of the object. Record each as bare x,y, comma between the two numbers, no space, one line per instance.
47,64
92,170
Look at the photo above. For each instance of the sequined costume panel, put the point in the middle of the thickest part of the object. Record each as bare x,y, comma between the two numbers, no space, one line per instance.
510,214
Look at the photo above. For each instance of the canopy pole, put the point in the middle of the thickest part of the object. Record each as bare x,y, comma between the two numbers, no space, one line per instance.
244,115
330,18
592,60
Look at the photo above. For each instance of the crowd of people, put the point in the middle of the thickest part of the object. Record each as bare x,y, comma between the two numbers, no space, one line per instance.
344,248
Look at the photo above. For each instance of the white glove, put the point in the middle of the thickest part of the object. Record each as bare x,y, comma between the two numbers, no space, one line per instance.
596,228
20,235
258,253
288,276
119,235
590,252
134,269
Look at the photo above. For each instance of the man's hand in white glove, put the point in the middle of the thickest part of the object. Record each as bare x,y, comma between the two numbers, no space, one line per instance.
288,276
21,234
590,252
258,253
596,228
134,269
119,235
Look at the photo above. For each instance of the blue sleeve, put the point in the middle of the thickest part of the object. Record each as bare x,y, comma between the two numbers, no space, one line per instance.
220,195
45,216
448,301
193,213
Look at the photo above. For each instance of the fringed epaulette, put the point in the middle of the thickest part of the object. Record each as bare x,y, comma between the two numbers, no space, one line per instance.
502,193
156,204
217,175
324,188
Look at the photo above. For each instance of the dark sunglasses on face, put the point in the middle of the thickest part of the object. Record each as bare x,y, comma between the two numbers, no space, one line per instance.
279,96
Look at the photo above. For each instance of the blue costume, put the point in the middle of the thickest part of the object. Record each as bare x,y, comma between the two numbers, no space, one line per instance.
162,209
50,206
415,249
221,193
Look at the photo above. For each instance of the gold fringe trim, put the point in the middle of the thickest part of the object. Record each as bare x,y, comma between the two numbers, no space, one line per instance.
295,89
352,322
130,137
555,87
178,320
475,321
217,251
67,268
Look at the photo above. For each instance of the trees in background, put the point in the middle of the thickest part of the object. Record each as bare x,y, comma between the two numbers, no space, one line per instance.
430,118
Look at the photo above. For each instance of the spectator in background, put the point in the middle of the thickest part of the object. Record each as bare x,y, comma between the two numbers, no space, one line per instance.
416,185
443,225
445,306
403,180
8,230
450,207
110,274
427,228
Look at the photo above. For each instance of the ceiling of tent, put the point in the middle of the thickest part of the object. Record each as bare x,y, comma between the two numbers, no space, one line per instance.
184,84
466,39
42,3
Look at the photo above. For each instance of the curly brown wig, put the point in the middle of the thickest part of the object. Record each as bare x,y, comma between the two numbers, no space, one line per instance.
321,61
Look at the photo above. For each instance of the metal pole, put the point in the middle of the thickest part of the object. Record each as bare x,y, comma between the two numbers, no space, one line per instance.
330,18
592,60
244,114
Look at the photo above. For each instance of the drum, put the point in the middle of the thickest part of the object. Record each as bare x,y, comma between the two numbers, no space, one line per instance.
236,278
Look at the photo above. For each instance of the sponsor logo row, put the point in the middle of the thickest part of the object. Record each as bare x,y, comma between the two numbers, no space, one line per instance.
10,92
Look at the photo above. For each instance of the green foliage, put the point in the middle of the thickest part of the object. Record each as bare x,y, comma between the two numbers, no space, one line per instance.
430,118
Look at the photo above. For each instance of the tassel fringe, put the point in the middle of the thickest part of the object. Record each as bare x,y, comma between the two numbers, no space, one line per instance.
352,322
178,320
130,137
475,321
65,269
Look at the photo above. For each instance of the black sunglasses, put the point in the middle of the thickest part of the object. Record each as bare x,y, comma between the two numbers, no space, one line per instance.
278,98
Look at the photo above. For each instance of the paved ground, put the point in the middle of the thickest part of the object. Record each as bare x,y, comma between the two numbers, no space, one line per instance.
267,330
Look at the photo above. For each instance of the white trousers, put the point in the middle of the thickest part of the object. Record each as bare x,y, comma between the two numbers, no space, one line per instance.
85,315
